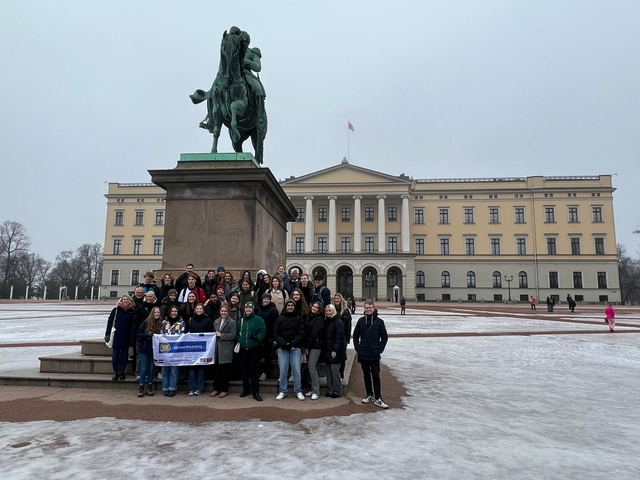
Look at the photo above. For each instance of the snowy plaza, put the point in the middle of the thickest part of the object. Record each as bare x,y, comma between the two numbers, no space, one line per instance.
511,406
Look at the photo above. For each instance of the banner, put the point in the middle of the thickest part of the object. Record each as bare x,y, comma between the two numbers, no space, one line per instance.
190,349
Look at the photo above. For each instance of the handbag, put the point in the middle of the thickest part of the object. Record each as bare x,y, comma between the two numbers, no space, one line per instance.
320,370
236,349
111,337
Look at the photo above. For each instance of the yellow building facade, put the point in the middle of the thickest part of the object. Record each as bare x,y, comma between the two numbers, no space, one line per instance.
374,235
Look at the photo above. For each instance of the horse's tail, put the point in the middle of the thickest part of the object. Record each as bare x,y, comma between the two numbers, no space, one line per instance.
199,96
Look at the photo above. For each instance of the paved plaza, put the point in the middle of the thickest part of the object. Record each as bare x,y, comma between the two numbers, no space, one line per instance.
492,391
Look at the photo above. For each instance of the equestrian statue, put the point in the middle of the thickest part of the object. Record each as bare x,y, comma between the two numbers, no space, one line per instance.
237,95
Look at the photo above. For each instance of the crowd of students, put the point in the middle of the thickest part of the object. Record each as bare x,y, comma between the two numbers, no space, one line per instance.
297,316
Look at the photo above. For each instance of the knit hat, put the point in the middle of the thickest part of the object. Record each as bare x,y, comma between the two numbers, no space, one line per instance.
290,301
221,269
266,295
249,305
263,272
219,287
173,291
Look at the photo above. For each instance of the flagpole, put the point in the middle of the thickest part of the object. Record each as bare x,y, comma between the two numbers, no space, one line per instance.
348,138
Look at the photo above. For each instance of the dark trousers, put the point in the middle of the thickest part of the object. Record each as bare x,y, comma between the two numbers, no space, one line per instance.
221,378
371,370
267,350
250,360
120,358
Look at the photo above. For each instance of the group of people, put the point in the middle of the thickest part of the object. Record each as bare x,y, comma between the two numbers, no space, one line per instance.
300,317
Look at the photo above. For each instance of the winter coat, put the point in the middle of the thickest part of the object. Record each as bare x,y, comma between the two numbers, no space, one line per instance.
334,341
182,282
269,314
307,291
145,339
175,328
251,331
230,288
285,283
187,310
150,287
140,314
260,287
289,329
163,291
346,321
370,341
209,286
236,314
279,298
122,319
199,292
199,324
212,309
322,294
226,341
314,329
609,312
248,296
166,305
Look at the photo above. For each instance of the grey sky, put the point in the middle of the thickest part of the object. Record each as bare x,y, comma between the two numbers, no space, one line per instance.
96,92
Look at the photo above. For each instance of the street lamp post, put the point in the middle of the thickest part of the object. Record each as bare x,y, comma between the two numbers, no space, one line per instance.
509,279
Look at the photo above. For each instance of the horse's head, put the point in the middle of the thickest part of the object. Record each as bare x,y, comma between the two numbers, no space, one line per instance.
232,49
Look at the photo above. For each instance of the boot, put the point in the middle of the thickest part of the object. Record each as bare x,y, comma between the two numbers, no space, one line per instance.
121,375
115,376
149,389
141,391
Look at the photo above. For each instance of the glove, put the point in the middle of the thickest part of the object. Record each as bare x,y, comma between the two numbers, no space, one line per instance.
288,346
107,338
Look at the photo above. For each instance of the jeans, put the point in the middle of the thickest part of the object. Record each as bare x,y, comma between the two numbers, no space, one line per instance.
196,379
291,358
120,358
371,370
146,368
170,378
314,355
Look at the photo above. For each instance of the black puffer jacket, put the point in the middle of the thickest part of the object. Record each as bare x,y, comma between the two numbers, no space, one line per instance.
334,341
315,331
270,315
346,321
199,324
370,340
289,329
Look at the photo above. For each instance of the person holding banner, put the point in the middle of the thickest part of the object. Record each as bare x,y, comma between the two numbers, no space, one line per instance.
146,331
250,337
199,323
225,329
172,325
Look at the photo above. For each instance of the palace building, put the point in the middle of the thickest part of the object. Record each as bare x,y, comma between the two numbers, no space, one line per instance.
375,235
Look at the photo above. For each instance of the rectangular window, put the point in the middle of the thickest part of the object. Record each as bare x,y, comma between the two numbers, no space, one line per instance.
117,246
115,277
549,215
345,242
494,215
299,244
322,214
575,246
368,214
346,214
521,246
495,246
553,280
471,297
368,245
524,298
444,246
468,215
159,217
135,277
599,242
470,246
418,215
392,214
596,213
573,214
519,212
577,279
139,218
392,245
157,246
497,297
471,280
322,244
444,215
602,279
119,219
113,293
419,242
552,248
300,217
137,246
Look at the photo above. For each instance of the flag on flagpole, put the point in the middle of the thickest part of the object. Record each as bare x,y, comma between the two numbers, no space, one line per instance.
350,126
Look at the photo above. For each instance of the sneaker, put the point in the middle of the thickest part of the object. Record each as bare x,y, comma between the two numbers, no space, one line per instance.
137,376
281,396
308,394
190,393
368,399
380,403
197,392
262,377
300,396
160,376
314,396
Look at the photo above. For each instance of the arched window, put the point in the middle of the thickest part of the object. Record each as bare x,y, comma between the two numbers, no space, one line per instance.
523,282
471,280
419,278
393,278
497,280
445,278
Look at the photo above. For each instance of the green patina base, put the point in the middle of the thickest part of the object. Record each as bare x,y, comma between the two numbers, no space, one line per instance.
218,157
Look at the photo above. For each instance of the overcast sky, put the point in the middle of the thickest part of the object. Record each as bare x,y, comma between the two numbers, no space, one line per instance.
96,92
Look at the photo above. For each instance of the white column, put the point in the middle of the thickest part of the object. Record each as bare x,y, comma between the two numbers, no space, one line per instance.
26,293
91,292
44,295
76,295
11,293
289,233
357,224
404,225
308,225
333,225
382,218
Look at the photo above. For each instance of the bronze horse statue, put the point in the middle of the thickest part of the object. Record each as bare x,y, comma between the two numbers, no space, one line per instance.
237,96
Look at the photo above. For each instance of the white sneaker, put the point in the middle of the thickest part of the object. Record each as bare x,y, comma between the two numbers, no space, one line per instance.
368,399
380,403
190,393
281,396
197,392
300,396
262,377
308,394
314,396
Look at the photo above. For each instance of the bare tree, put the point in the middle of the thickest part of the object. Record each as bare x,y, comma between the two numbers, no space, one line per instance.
13,242
629,271
28,268
89,258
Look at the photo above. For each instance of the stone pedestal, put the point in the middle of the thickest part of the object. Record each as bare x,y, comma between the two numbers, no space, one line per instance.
223,209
